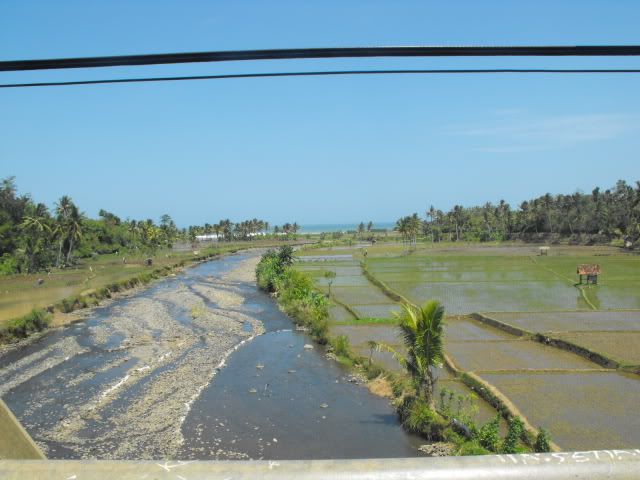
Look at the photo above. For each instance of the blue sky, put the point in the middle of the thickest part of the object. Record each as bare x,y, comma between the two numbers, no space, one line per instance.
315,150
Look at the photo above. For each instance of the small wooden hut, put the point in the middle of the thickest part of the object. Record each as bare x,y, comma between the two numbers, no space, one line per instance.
590,271
544,251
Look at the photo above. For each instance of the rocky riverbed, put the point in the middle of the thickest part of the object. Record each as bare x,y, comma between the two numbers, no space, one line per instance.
122,383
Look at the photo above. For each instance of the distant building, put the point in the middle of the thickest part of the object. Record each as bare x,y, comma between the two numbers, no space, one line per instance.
591,271
209,237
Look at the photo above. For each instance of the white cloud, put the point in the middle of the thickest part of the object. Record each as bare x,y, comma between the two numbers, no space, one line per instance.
516,132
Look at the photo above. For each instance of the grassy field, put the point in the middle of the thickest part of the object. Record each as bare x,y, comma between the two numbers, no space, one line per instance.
19,294
551,387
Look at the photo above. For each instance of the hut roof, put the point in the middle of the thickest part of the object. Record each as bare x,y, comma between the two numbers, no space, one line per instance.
588,269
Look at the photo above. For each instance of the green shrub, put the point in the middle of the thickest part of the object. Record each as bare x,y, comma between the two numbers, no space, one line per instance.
373,371
471,447
66,305
8,264
543,441
341,346
514,434
34,321
418,417
488,436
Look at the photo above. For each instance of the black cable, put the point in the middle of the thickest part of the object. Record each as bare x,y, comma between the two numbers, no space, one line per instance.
298,53
315,74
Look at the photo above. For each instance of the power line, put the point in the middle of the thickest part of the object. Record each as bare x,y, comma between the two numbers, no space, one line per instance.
301,53
320,73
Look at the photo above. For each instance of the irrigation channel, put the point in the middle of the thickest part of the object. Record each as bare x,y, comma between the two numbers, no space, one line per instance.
201,365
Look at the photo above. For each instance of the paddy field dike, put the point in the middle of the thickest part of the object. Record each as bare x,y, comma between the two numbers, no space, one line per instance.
565,356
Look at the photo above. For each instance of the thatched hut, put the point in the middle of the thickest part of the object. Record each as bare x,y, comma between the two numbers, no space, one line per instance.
591,271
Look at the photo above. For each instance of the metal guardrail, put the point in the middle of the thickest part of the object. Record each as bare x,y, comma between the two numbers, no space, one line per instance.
592,465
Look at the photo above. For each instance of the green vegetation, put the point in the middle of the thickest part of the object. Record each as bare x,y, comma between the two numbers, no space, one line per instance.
598,217
295,292
422,330
39,318
21,327
34,239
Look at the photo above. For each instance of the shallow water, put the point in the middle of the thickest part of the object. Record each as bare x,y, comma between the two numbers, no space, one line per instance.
278,400
582,411
513,355
117,385
572,321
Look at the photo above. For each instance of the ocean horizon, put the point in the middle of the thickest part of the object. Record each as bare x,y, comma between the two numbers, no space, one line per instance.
341,227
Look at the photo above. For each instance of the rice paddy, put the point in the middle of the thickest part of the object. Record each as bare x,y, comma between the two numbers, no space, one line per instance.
583,404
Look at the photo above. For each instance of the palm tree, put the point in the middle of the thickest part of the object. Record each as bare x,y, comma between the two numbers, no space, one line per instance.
36,230
421,329
63,210
330,275
75,226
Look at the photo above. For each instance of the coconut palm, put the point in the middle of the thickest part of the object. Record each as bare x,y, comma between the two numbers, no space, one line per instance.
63,210
36,233
421,329
75,227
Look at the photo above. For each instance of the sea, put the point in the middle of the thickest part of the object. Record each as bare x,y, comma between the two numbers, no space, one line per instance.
342,227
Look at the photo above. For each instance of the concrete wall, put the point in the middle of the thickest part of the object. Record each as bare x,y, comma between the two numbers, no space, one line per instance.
15,442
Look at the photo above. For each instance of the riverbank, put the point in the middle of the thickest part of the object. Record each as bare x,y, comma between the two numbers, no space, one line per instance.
97,288
184,370
153,352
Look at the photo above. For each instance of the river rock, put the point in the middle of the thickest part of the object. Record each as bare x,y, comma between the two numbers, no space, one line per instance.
438,449
308,346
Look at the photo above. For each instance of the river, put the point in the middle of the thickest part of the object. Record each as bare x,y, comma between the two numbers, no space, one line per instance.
198,366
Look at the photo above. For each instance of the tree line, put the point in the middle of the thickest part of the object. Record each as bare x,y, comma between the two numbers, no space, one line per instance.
35,238
227,230
585,217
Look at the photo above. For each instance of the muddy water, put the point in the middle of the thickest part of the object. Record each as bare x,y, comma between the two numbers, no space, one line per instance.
171,372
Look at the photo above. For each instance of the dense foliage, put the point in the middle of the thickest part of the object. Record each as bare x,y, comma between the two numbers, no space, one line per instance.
295,291
597,216
34,238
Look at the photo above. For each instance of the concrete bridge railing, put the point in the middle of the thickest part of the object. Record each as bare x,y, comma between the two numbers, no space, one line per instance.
591,465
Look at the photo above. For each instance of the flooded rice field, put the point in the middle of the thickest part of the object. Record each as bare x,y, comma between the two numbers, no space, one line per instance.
572,321
623,347
350,287
464,298
583,410
201,365
583,405
514,355
510,282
